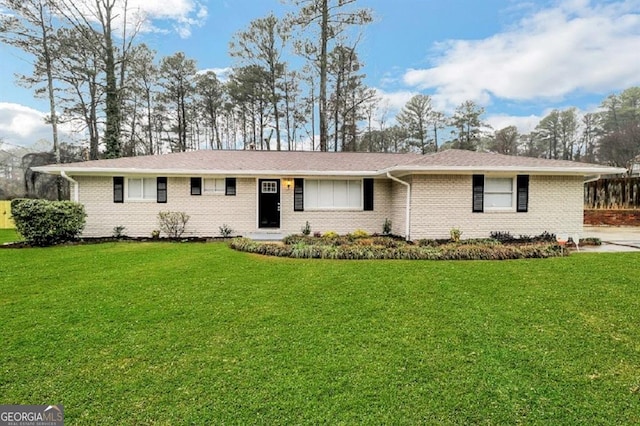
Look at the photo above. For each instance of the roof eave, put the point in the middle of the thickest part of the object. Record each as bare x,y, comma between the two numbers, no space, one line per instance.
568,171
396,170
101,171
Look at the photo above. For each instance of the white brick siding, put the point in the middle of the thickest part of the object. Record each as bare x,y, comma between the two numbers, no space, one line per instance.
208,212
442,202
438,204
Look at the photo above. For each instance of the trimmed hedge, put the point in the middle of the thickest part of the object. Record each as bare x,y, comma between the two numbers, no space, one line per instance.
303,248
45,223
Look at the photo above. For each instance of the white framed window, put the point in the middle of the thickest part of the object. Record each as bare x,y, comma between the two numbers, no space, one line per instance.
141,189
213,186
269,187
498,193
333,194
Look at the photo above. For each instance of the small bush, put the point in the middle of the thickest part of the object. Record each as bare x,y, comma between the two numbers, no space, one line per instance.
225,230
118,231
330,235
155,234
306,229
173,223
359,233
45,223
455,234
386,227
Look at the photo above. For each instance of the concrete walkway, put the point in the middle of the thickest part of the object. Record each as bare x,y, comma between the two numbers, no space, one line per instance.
614,238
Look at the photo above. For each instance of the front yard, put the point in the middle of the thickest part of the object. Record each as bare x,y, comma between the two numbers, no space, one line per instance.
167,333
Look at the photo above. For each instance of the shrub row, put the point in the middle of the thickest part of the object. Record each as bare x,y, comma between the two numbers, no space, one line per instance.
302,249
45,223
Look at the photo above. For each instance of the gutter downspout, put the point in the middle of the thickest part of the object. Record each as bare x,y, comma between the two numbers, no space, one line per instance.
408,207
74,183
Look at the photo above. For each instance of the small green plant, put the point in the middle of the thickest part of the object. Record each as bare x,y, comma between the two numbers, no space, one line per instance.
306,229
225,230
359,233
455,234
118,231
155,234
173,223
386,227
330,234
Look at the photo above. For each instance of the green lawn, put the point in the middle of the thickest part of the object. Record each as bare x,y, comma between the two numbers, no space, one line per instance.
162,333
9,236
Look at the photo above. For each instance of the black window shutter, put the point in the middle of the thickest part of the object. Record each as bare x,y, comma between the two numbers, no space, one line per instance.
298,195
478,193
196,186
230,186
523,193
161,189
367,186
118,189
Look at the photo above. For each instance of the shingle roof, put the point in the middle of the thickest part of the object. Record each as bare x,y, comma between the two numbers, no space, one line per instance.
304,163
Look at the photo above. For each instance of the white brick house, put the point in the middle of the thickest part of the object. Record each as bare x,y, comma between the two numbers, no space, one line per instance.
424,196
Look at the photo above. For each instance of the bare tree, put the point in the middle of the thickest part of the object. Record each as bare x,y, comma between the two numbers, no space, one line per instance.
330,18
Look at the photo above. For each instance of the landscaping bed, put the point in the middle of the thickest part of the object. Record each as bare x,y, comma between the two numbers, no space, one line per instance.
362,246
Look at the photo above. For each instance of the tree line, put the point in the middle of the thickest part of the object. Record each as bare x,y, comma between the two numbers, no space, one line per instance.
297,82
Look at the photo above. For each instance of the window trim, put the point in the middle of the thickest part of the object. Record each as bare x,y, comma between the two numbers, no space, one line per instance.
141,200
513,193
215,192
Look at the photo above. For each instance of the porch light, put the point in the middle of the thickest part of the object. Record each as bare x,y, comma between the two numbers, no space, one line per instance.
288,183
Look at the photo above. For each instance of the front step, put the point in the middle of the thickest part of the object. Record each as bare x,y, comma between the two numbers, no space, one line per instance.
266,236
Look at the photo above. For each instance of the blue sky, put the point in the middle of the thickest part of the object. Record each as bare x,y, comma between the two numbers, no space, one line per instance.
517,59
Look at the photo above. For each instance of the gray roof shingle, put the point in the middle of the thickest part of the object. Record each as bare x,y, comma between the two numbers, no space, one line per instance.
323,163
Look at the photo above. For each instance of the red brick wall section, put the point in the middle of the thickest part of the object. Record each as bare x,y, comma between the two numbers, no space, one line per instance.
615,217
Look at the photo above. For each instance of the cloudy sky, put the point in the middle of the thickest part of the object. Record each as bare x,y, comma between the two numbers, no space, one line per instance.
518,59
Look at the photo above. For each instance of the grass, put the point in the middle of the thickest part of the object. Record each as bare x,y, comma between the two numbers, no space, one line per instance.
163,333
9,236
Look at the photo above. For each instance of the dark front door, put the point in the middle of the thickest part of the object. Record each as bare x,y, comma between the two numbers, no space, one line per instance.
269,203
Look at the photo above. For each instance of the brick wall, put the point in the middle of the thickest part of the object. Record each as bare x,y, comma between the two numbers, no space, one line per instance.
614,217
439,203
442,202
209,212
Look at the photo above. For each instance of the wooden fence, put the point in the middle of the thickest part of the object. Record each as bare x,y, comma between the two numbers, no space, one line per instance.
614,193
5,215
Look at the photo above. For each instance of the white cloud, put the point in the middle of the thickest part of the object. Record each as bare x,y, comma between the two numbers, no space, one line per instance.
222,74
394,101
152,16
24,126
184,14
525,124
573,47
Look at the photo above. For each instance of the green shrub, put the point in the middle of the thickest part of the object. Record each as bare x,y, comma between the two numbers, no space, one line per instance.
306,229
386,227
225,230
455,234
330,235
45,223
359,233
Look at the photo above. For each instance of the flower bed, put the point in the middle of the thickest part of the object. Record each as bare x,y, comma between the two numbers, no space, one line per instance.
386,247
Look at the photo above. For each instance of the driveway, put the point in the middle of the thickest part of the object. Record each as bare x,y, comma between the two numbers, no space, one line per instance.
614,238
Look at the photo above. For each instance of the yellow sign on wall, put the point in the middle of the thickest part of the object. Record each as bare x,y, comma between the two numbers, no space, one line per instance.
5,215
